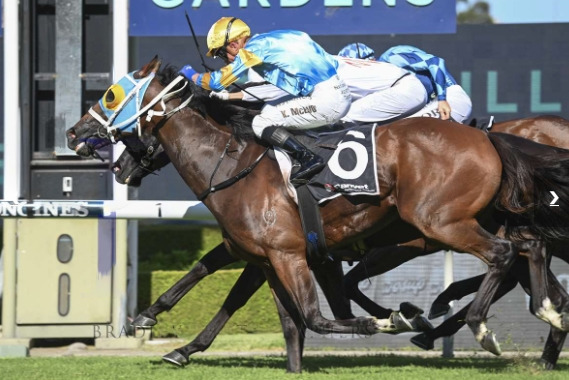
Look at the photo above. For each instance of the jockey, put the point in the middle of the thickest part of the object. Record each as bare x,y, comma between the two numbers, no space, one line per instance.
379,91
291,61
448,98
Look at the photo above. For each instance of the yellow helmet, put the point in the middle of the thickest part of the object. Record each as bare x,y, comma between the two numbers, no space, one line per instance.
225,30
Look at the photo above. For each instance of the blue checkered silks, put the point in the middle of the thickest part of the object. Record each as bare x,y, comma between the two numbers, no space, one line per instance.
430,69
357,50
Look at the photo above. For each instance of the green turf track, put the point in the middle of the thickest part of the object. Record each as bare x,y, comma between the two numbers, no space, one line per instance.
273,368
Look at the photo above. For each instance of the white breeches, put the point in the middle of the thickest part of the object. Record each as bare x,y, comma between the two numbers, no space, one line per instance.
327,104
459,101
405,96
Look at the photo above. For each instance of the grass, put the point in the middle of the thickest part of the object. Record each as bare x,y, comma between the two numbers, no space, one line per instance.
229,343
377,366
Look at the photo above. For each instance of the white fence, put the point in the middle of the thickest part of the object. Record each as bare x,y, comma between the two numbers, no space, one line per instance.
191,210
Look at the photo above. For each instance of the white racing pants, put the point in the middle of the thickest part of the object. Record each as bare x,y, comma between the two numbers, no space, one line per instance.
459,101
327,104
406,96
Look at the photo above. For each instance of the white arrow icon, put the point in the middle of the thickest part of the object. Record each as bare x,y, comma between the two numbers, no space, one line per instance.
554,201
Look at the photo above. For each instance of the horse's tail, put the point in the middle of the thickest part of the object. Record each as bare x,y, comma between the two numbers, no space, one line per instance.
531,172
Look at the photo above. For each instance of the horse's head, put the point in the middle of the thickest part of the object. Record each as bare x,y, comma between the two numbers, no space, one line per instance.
137,108
141,158
122,110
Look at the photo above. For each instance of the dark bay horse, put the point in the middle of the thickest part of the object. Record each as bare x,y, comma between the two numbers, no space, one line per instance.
466,173
550,130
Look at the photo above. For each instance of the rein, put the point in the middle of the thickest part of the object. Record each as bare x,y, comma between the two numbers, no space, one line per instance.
228,182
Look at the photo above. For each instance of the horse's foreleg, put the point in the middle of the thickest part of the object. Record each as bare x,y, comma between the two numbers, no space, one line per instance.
293,328
247,284
294,276
215,259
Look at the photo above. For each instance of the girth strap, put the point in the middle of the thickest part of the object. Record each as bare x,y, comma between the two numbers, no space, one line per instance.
316,249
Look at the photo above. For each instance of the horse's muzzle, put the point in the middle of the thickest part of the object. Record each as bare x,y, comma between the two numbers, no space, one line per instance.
85,146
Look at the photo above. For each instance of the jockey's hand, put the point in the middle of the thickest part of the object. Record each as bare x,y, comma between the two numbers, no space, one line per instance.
444,109
187,71
223,95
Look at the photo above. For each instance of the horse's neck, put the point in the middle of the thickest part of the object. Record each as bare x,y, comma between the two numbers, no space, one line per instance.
196,145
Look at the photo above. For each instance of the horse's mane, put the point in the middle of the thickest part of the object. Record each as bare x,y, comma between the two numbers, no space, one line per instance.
237,115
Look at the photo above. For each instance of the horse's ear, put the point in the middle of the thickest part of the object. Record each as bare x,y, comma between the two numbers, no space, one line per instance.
151,67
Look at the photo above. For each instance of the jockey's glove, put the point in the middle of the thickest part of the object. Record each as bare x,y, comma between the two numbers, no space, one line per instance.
223,95
187,71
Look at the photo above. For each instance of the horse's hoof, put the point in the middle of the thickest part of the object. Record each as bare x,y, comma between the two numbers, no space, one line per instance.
400,323
395,324
438,310
491,344
409,310
423,341
547,365
421,324
142,321
175,358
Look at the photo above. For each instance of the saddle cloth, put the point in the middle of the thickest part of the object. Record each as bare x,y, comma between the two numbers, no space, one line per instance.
350,164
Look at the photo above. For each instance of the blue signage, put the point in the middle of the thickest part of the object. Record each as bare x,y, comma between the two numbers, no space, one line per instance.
316,17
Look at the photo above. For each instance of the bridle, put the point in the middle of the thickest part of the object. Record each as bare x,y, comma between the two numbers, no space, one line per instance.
108,129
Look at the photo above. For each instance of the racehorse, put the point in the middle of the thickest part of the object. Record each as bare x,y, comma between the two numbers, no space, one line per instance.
550,130
260,220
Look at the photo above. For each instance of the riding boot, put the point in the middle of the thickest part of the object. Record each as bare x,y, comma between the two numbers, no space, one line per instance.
310,163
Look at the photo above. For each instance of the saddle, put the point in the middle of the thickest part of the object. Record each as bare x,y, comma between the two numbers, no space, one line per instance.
350,171
483,123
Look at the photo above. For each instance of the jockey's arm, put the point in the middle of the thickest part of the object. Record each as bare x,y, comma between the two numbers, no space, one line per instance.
221,79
